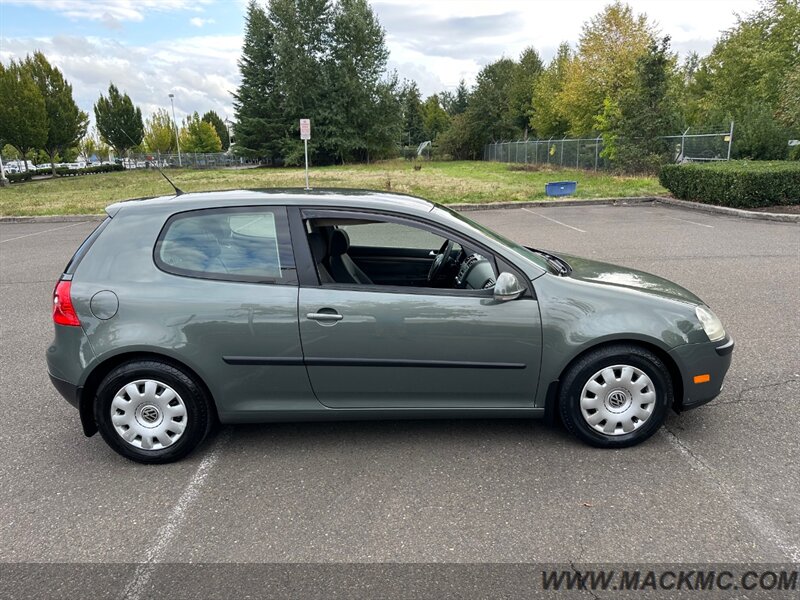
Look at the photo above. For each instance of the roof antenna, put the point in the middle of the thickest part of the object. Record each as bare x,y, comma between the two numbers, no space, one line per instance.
178,191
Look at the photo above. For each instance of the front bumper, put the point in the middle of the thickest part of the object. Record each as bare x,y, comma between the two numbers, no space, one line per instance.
709,362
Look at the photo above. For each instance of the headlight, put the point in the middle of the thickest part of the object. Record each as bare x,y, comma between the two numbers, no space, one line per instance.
710,322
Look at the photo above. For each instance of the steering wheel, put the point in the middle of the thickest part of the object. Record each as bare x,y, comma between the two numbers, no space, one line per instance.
439,261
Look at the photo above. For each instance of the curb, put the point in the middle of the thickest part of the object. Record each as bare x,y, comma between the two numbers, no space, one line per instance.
466,207
731,212
53,219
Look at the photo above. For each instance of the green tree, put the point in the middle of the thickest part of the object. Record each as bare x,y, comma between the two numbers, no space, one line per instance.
461,139
259,127
520,93
604,65
455,103
215,121
435,119
66,123
547,117
159,132
118,121
302,44
744,77
634,125
413,126
199,136
23,113
489,114
354,71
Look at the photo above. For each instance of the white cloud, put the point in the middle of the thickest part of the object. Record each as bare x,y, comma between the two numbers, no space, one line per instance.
110,11
198,22
201,71
450,40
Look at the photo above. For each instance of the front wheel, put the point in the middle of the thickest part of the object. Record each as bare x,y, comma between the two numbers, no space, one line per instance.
152,412
616,396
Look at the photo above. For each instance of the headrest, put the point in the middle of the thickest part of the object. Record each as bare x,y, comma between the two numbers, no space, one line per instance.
340,242
317,243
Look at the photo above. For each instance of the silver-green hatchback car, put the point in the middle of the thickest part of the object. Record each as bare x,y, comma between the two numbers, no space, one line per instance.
254,306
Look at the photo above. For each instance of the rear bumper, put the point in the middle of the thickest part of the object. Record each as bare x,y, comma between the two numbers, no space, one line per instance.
66,389
711,359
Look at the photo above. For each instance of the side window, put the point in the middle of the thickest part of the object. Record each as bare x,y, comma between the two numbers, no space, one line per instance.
248,244
391,235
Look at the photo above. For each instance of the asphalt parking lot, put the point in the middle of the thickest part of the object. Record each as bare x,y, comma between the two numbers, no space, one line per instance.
718,484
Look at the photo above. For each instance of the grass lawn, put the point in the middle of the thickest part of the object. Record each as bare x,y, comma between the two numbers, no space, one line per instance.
445,182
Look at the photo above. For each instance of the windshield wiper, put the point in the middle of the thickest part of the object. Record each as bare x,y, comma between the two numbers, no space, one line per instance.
559,264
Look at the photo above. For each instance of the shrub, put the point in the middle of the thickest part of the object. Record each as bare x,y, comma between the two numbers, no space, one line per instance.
739,184
65,172
18,177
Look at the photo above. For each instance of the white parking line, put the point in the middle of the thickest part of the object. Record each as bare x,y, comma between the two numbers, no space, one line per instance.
757,521
553,220
19,237
692,222
141,578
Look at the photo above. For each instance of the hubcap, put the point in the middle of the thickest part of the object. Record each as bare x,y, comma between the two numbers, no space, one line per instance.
148,414
618,399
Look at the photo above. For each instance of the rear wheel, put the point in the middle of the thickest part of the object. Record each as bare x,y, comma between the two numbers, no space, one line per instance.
152,412
615,396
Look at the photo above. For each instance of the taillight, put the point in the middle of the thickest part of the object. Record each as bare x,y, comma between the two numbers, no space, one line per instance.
63,311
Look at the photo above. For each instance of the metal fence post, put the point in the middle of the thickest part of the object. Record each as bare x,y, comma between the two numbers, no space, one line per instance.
730,141
561,162
577,153
683,144
526,151
548,149
596,151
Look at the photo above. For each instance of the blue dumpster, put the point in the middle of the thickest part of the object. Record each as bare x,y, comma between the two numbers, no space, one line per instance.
560,188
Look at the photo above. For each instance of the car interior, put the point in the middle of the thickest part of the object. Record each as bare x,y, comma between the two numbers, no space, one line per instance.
376,253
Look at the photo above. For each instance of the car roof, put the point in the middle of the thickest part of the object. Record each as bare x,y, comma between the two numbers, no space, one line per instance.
338,198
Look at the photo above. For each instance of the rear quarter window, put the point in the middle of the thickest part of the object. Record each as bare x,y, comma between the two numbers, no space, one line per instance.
248,244
83,249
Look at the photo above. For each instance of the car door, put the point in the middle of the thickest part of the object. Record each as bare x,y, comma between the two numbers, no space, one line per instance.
386,346
226,297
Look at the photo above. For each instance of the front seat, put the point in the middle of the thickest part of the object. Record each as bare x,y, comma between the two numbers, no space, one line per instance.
342,267
317,244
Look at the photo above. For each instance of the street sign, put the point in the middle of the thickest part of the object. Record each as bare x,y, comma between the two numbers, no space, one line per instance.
305,129
305,135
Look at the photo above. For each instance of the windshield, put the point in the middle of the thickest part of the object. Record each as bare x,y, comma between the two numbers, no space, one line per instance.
535,258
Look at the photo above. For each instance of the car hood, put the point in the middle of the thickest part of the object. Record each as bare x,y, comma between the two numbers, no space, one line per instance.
594,271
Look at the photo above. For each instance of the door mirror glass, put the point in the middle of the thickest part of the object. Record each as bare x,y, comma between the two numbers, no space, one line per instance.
507,288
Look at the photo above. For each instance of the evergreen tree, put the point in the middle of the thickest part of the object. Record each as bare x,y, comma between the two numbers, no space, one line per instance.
66,123
302,30
23,113
357,61
413,127
259,128
118,121
213,119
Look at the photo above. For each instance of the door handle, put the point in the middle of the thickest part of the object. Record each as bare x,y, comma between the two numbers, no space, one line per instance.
324,316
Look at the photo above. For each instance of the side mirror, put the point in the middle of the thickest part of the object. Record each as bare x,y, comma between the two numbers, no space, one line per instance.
507,288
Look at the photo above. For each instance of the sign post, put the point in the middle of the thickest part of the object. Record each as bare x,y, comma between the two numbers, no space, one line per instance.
305,135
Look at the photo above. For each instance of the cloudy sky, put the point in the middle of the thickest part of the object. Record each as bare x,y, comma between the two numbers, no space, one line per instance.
151,48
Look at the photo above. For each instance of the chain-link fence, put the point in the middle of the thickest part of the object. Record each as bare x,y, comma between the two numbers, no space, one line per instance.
187,160
587,153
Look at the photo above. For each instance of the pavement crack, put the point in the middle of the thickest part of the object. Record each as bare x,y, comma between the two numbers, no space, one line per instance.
579,573
740,395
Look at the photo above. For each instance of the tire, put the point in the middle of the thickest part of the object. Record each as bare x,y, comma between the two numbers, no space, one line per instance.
616,396
152,412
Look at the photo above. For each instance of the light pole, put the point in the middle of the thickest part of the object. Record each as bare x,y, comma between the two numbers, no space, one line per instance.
175,122
228,128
